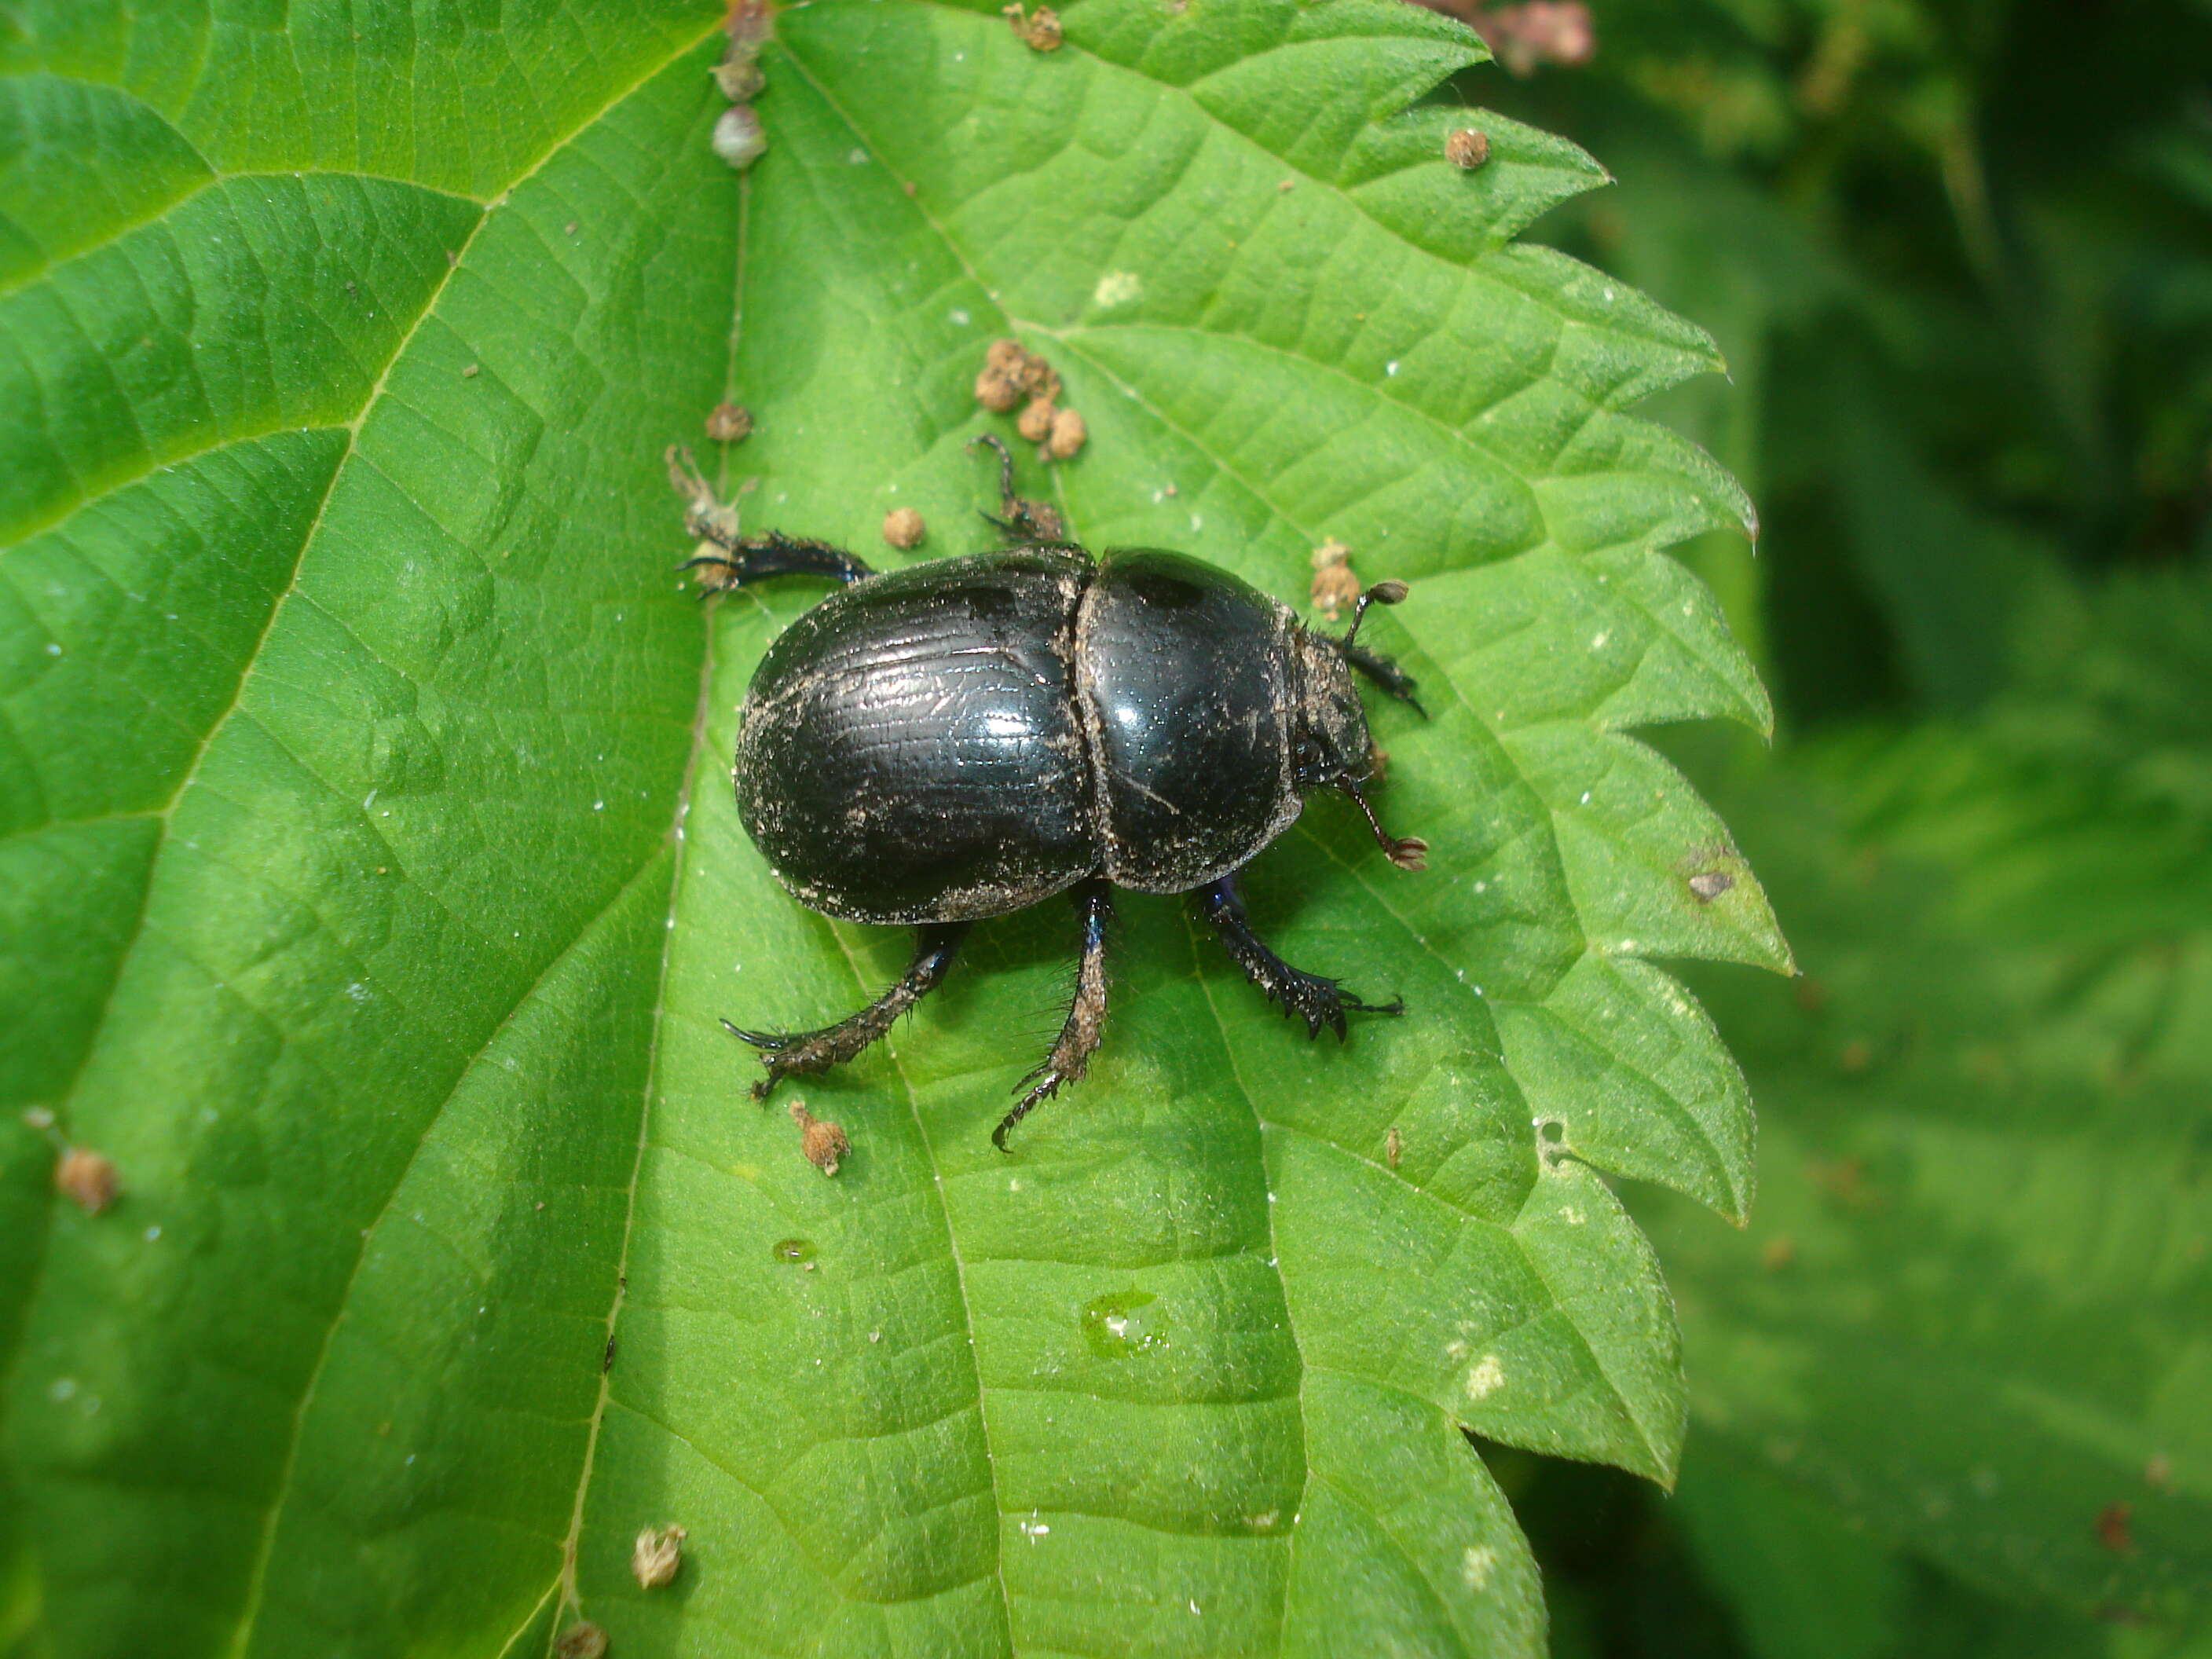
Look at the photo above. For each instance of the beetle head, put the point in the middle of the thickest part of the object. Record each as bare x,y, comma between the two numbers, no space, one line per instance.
1331,746
1330,743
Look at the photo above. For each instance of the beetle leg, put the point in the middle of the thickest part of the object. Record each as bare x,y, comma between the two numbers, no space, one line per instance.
1078,1036
1316,1001
1026,522
1406,851
771,553
784,1053
1395,681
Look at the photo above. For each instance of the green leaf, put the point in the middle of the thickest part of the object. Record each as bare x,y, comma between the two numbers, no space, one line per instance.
1970,1315
366,799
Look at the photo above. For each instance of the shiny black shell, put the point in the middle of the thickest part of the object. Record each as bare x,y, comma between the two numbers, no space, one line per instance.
964,737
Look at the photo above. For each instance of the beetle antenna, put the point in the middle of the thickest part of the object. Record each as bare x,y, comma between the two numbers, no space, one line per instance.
1387,592
1406,851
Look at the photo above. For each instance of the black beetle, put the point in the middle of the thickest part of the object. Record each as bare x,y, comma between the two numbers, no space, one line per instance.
964,737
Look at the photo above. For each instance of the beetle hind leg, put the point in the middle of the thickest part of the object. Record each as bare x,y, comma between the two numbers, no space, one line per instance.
783,1054
1316,1000
1086,1013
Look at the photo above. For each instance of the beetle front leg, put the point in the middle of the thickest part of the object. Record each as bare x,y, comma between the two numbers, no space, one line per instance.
1384,672
753,558
1316,1000
1079,1035
785,1053
745,559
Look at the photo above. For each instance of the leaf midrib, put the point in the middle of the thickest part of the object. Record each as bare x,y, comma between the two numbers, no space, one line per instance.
565,1582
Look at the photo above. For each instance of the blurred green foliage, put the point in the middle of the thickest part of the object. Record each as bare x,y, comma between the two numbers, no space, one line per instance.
1951,1386
1960,257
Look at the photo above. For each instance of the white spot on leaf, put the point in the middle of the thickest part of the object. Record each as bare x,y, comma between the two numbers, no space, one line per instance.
1486,1378
1117,287
1477,1565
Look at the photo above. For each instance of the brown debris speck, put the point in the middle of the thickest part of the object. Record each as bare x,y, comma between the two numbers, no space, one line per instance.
1777,1252
1035,423
1039,379
728,422
1335,586
1011,372
998,386
1014,376
2112,1529
1467,148
1066,436
903,528
87,1179
657,1556
1040,28
824,1145
740,82
1843,1179
582,1640
737,139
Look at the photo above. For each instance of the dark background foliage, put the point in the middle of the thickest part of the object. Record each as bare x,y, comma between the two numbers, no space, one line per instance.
1960,257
